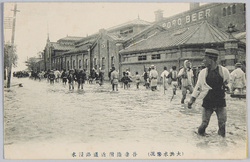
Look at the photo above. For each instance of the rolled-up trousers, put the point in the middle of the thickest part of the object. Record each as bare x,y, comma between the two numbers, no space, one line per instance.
221,116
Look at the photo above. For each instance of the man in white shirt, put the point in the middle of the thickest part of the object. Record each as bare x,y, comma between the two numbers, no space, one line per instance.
153,75
186,74
211,85
164,76
237,79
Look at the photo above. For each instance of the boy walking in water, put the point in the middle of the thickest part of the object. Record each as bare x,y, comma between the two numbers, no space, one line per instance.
81,77
64,77
114,79
174,77
51,77
186,74
137,79
153,75
71,79
125,80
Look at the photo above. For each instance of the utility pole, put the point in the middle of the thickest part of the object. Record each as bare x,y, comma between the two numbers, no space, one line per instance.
12,46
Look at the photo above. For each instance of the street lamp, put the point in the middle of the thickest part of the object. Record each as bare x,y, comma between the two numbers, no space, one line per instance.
231,29
231,47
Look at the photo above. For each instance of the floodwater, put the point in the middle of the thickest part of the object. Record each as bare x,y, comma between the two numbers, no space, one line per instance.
51,121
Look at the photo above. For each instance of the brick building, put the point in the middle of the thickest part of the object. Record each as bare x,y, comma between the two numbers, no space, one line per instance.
99,50
167,41
187,35
173,47
53,54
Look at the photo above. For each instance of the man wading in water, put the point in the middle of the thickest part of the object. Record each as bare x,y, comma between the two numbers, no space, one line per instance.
211,83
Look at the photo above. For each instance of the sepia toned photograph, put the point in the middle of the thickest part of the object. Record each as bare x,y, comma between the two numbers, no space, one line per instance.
124,80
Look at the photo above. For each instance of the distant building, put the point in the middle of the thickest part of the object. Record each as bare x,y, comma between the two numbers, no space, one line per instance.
137,44
173,47
53,52
187,35
218,14
99,50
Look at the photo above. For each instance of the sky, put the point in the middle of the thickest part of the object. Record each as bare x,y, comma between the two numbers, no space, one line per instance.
36,20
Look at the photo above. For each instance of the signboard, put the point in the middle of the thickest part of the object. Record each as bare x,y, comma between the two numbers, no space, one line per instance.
192,17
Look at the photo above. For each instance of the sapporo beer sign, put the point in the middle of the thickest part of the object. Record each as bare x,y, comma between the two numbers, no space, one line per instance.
186,19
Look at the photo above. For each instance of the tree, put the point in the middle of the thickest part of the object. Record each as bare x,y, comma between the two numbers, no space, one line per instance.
31,63
7,54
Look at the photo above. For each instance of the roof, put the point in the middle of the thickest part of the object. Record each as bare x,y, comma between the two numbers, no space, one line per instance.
90,38
130,23
147,29
116,36
71,38
60,47
78,50
200,33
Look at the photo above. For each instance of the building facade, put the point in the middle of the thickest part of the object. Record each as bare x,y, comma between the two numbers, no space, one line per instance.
137,44
216,25
173,47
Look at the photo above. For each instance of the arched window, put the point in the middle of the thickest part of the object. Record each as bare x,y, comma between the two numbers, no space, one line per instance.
234,9
103,63
229,10
224,12
112,61
74,64
86,64
95,62
68,65
80,64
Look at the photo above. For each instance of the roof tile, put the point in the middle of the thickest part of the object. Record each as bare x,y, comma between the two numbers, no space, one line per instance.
200,33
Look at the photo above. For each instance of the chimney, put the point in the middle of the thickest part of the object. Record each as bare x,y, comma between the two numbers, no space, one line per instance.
158,15
194,5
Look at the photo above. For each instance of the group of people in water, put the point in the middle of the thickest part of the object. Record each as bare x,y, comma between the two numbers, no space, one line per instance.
185,78
210,80
71,76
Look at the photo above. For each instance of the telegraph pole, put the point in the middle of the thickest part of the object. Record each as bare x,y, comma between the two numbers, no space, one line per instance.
12,46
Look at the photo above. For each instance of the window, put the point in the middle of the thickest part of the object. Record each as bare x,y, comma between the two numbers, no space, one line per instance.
71,62
126,31
234,9
74,64
103,63
143,57
80,62
95,62
229,10
68,65
112,61
157,56
86,64
224,12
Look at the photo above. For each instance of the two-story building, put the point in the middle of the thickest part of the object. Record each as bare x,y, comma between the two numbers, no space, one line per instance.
53,52
168,41
99,50
187,35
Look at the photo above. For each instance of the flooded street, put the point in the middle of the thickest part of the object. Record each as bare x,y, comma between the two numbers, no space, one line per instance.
50,121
